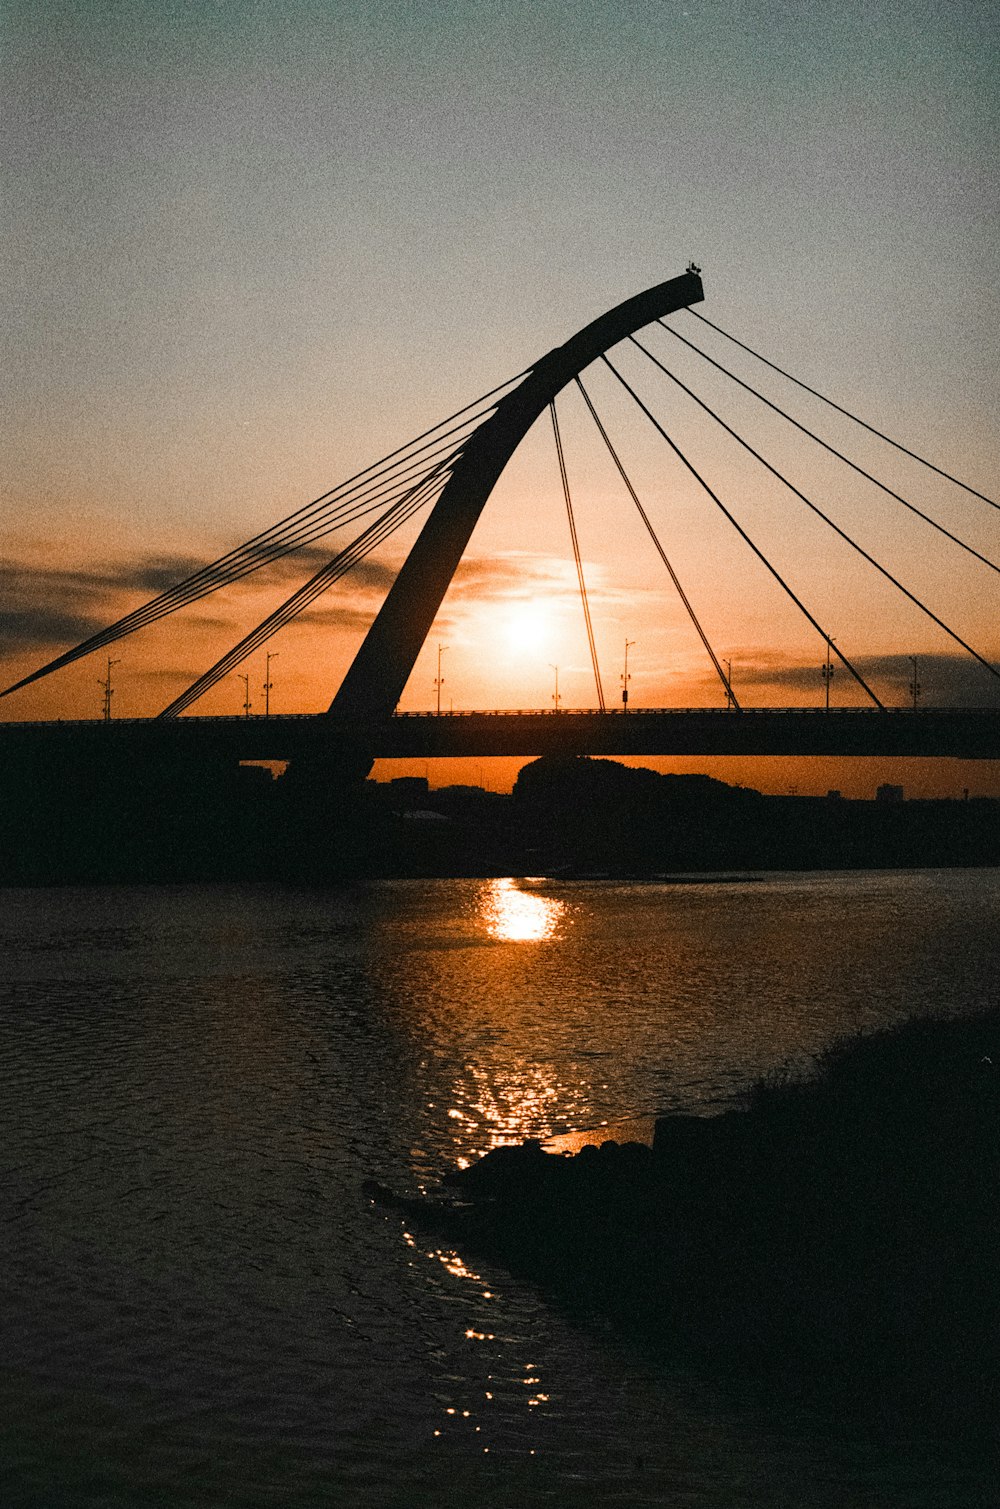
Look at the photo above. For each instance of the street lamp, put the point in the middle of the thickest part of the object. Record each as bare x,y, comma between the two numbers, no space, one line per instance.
626,678
555,694
915,687
268,683
246,695
108,693
827,670
730,699
439,682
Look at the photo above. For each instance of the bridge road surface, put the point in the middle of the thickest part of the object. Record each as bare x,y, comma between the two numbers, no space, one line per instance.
954,733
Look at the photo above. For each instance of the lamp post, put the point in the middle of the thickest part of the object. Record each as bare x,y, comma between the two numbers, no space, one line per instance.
730,699
439,682
827,670
626,678
915,687
268,683
555,694
246,695
108,693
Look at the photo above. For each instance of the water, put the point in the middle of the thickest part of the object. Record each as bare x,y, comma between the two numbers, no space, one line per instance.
201,1309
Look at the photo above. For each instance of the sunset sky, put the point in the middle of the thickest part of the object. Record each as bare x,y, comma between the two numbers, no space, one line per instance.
251,248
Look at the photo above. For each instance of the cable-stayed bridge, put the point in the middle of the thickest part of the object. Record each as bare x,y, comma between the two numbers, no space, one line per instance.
449,472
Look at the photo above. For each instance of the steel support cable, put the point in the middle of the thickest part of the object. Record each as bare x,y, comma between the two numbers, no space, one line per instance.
831,448
730,694
576,557
747,540
846,412
383,489
189,592
309,522
820,514
344,561
347,512
260,635
378,471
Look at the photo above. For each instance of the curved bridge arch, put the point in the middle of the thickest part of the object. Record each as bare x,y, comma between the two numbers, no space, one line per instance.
380,670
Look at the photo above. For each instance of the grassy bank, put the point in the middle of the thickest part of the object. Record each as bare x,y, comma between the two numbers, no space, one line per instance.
841,1230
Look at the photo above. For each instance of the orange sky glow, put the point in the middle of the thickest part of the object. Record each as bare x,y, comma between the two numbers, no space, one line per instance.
228,300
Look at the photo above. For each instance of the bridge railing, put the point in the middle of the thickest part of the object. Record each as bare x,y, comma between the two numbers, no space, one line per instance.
228,719
661,712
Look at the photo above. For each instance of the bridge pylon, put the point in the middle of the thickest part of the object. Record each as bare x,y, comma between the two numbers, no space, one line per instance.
378,675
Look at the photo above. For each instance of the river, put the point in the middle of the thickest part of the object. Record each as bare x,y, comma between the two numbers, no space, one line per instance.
200,1307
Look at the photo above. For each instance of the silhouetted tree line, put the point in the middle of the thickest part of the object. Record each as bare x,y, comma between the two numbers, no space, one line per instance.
599,815
68,821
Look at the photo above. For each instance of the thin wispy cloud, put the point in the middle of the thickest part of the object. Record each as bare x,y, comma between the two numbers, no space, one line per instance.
516,575
514,571
31,628
334,615
944,680
44,606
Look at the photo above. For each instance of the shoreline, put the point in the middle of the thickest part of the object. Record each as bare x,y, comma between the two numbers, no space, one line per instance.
838,1236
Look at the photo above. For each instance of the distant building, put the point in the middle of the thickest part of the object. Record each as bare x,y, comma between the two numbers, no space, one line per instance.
889,794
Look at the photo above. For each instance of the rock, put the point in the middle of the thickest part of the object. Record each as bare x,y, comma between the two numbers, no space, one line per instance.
505,1171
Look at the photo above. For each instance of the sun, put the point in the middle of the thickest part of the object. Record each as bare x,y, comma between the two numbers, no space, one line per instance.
527,626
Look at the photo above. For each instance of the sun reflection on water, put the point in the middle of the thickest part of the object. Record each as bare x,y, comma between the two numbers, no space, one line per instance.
514,1094
514,915
505,1106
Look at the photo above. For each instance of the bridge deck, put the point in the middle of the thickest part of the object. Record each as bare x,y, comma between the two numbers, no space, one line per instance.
962,733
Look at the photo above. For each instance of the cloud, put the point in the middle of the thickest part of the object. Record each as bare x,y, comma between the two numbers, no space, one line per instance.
373,575
335,616
300,565
48,605
513,572
154,575
30,628
945,680
520,574
169,674
26,582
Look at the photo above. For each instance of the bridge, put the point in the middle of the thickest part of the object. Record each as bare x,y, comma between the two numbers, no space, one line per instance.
955,733
452,469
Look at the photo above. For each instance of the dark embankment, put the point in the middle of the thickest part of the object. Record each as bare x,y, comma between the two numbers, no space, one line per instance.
838,1235
71,816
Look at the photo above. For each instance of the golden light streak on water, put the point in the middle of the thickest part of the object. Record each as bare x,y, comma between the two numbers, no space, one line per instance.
523,1100
513,915
453,1263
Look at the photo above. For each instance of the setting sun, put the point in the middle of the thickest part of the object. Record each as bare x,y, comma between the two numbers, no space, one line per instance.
528,626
